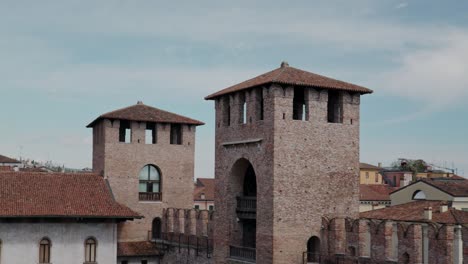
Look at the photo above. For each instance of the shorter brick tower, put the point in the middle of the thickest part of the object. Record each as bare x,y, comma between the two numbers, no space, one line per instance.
147,155
287,154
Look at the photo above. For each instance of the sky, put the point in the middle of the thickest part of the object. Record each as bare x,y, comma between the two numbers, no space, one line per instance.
63,63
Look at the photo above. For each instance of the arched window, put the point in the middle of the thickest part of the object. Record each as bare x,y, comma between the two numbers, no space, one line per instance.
313,250
150,183
419,195
44,251
156,228
90,250
352,251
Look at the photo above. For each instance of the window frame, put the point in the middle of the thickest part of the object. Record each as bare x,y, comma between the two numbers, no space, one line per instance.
45,245
86,244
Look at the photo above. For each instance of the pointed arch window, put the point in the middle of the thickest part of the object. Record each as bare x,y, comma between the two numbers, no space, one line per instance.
44,251
90,250
149,183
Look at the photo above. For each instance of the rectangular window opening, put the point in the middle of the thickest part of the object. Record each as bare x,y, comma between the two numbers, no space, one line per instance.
335,107
299,105
150,133
211,207
259,103
244,113
242,109
125,132
197,207
226,111
176,134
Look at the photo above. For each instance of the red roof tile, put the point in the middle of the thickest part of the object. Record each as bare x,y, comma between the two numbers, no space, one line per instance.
375,192
145,113
204,186
32,194
5,159
292,76
141,248
414,212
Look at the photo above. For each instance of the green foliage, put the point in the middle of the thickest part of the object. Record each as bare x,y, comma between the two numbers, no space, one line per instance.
414,166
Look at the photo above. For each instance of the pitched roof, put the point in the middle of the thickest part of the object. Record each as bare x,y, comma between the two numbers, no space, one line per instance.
292,76
375,192
453,186
5,159
414,212
204,186
60,195
140,248
145,113
368,166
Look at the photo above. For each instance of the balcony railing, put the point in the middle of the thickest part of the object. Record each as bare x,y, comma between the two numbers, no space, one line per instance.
243,253
247,203
149,196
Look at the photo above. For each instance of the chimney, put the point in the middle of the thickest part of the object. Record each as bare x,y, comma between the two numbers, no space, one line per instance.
203,196
428,213
284,64
140,102
443,208
380,164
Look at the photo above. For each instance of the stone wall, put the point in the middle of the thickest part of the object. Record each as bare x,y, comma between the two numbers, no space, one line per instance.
122,162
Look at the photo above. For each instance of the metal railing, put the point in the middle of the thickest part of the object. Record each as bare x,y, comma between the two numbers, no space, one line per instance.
246,203
149,196
243,253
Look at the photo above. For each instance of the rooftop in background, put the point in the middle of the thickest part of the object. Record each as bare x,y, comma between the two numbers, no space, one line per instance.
292,76
58,195
145,113
5,159
457,187
414,212
204,186
367,166
375,192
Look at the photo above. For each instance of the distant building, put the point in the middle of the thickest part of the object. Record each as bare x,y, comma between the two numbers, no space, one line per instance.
203,195
397,178
454,191
58,218
375,196
9,162
370,174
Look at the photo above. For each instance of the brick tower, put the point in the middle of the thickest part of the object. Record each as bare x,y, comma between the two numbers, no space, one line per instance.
287,153
147,155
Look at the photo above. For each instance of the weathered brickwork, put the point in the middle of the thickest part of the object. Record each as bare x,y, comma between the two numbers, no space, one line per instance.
121,163
299,167
376,241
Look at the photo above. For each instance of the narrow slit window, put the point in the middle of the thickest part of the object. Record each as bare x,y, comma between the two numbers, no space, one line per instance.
299,106
244,113
150,133
176,134
226,111
335,107
125,132
242,109
259,104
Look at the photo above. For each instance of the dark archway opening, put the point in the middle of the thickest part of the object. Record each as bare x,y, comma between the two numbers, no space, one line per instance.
313,250
156,228
250,182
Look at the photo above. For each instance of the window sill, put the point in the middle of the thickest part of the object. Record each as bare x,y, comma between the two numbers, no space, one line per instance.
149,202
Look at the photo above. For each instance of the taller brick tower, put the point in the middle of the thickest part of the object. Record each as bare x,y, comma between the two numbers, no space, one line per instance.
147,155
287,153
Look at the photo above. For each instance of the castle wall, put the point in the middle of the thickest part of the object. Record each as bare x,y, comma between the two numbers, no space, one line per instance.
122,162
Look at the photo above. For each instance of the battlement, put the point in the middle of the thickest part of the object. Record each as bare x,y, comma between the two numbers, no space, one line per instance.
190,222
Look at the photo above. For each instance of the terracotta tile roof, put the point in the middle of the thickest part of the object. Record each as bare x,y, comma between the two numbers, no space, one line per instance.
145,113
292,76
6,168
5,159
141,248
204,186
33,194
453,186
456,177
375,192
368,166
414,212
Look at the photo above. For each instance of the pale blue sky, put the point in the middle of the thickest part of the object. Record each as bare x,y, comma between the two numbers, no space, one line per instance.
62,63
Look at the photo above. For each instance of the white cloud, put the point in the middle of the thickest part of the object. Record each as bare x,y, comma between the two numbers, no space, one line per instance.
401,5
436,76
